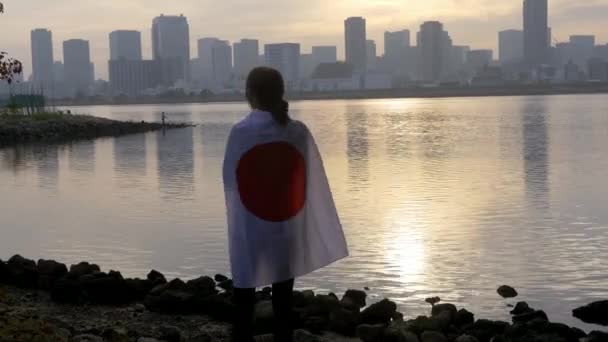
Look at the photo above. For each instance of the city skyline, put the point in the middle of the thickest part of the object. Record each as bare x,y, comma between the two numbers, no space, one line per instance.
464,27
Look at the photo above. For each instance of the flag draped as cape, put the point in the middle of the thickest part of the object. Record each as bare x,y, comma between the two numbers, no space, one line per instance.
282,220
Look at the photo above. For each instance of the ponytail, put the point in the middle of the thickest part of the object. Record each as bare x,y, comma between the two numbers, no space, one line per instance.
280,113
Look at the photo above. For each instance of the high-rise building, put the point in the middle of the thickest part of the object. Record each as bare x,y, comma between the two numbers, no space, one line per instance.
536,32
246,54
355,43
510,46
432,43
77,65
396,45
284,57
324,54
370,54
581,49
125,44
42,57
479,59
58,73
221,61
131,77
171,40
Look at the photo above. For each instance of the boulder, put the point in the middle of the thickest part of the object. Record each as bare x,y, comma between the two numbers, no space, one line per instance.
356,298
67,291
594,313
202,286
450,309
315,324
81,269
49,271
264,317
526,317
219,307
87,338
597,336
463,318
175,285
433,336
139,288
371,332
170,333
171,302
115,335
226,285
4,273
484,329
343,321
22,272
506,291
466,338
305,336
156,278
521,308
220,278
106,289
379,313
398,332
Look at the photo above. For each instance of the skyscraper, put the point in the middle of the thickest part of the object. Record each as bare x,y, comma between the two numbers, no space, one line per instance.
324,54
536,32
42,57
221,61
510,45
371,54
125,45
355,43
77,65
284,57
478,59
171,40
582,47
246,54
431,46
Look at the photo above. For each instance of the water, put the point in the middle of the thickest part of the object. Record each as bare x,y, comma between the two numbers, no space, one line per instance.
447,197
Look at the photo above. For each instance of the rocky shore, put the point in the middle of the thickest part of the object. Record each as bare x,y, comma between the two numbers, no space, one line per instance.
47,301
58,127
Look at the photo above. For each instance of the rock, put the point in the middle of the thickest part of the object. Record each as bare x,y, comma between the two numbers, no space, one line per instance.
433,300
421,324
558,329
83,268
356,297
397,332
484,329
147,339
343,321
371,332
175,285
521,308
171,302
22,272
4,273
305,336
466,338
139,287
49,271
463,318
226,285
115,335
106,289
506,291
67,291
220,278
219,307
597,336
441,321
315,324
441,308
156,278
526,317
322,306
594,313
170,333
379,313
202,286
264,317
87,338
308,295
433,336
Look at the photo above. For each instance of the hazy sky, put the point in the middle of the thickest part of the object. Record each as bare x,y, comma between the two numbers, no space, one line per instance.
310,22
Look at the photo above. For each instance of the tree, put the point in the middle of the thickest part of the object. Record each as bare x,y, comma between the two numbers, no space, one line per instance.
9,67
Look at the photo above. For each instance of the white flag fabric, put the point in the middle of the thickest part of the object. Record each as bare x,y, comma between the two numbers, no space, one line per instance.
282,220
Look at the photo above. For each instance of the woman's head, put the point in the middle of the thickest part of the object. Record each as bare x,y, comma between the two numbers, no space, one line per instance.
265,91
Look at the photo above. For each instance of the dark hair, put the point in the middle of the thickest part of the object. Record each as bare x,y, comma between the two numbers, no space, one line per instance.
265,91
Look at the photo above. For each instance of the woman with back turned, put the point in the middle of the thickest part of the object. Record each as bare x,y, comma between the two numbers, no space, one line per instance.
282,221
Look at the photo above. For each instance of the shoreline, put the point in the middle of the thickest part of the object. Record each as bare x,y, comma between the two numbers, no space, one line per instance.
47,301
404,93
58,127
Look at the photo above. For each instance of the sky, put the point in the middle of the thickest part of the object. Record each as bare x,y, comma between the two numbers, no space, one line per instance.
309,22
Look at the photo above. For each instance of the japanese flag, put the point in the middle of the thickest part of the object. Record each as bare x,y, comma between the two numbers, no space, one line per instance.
282,220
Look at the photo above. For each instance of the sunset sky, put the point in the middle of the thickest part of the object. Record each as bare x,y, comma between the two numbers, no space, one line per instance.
310,22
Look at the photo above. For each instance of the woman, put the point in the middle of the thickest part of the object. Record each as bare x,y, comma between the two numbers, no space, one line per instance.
282,221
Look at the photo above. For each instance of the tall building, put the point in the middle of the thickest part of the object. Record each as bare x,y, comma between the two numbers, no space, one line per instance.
171,40
396,45
431,45
246,54
221,61
478,59
536,32
125,45
284,57
77,65
355,43
581,49
370,54
324,54
42,57
510,46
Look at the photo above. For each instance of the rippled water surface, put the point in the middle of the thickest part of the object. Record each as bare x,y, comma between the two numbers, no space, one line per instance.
447,197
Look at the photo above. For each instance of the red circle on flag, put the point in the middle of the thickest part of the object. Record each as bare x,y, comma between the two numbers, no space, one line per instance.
271,180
